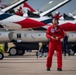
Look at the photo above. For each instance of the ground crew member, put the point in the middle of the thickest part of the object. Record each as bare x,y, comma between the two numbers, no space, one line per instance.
40,49
44,48
65,45
54,33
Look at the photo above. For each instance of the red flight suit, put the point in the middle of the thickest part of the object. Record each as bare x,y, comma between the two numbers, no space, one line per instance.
19,13
54,45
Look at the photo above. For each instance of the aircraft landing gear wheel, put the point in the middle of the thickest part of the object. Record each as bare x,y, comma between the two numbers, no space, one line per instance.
1,56
12,51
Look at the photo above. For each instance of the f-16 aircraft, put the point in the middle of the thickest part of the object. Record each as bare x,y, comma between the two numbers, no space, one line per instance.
68,23
10,21
15,22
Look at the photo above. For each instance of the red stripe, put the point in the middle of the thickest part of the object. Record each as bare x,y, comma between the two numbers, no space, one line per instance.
26,5
29,23
69,27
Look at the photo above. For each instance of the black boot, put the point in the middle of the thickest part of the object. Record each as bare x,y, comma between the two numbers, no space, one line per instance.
48,69
59,69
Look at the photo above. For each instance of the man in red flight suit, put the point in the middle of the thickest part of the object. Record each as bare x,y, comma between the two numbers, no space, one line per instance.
54,33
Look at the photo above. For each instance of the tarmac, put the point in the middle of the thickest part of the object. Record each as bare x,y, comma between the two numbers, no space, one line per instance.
28,64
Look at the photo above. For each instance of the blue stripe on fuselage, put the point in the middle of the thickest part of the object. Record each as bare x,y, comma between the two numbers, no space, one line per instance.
47,21
4,16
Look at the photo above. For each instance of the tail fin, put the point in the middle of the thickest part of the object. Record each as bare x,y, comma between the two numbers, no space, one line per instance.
27,6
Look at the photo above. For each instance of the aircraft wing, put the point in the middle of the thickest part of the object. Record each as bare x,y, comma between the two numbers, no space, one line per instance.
10,5
74,12
51,6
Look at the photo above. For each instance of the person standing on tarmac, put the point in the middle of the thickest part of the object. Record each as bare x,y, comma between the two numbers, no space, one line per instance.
39,53
44,48
54,33
65,45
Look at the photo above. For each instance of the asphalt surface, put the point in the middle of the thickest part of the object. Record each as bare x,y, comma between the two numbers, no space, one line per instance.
30,65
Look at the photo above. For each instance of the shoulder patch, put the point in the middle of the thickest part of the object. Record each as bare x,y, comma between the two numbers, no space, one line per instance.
52,30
